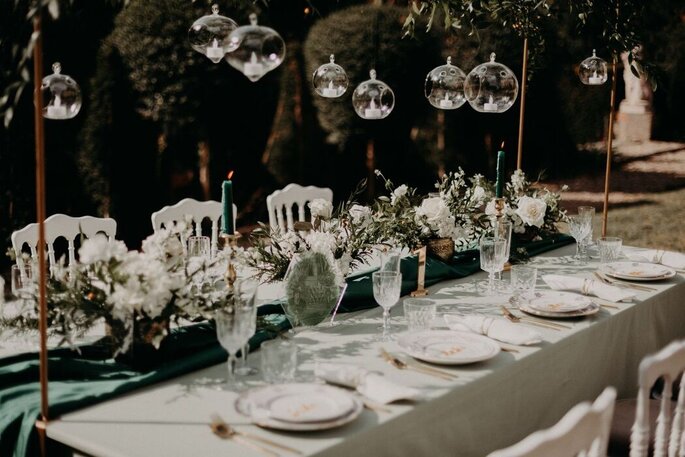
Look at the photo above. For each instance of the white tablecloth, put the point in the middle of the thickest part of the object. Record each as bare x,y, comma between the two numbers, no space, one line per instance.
491,405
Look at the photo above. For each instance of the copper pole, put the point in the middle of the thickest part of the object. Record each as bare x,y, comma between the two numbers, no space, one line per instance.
610,139
40,215
524,79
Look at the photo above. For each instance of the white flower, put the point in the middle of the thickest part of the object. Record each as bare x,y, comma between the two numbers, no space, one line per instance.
478,194
323,242
100,248
531,210
321,208
518,180
361,215
399,192
435,213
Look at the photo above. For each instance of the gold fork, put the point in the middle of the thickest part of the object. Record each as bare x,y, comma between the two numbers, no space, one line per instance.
224,430
528,320
402,365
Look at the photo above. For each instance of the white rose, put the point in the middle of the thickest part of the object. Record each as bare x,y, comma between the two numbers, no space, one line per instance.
400,192
435,213
361,215
99,248
531,210
321,208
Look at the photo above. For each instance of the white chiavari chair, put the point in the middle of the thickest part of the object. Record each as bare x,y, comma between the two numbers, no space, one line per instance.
280,204
583,431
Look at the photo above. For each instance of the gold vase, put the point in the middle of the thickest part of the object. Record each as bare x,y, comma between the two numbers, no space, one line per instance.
442,248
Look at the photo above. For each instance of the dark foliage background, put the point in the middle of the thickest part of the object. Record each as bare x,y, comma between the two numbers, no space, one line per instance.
155,111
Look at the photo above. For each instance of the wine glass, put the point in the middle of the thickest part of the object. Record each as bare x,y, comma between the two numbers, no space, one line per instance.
233,329
492,258
579,227
587,211
387,286
248,291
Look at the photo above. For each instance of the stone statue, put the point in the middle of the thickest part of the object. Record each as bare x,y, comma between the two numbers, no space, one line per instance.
638,98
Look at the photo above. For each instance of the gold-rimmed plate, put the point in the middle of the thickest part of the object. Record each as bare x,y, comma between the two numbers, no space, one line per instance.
637,271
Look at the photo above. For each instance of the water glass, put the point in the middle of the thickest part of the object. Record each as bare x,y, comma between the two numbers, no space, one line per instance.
387,286
390,259
279,360
609,248
523,279
22,280
420,313
579,227
492,259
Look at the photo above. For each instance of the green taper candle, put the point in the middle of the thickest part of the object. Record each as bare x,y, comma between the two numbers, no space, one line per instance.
499,186
227,201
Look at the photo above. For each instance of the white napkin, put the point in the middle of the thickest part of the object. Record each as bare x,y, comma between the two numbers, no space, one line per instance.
670,259
588,287
372,385
494,327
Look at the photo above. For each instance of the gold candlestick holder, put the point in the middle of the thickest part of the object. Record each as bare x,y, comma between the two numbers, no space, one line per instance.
500,204
421,276
230,241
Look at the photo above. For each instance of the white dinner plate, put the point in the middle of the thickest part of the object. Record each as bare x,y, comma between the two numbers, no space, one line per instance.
553,301
447,347
299,406
592,308
638,271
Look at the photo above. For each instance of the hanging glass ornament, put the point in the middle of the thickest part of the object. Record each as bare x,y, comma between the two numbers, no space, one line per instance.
61,95
593,70
373,99
330,80
491,87
209,35
257,49
444,87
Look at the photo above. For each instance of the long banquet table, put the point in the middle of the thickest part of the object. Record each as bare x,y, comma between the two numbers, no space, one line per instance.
491,405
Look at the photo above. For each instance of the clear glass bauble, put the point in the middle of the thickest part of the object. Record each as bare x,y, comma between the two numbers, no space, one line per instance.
257,49
61,95
491,87
330,80
444,86
373,99
209,35
593,71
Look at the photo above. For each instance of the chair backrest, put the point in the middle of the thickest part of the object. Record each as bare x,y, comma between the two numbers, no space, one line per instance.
61,225
196,211
584,430
669,436
293,194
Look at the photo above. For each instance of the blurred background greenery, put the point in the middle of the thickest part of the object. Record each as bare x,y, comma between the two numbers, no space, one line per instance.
161,122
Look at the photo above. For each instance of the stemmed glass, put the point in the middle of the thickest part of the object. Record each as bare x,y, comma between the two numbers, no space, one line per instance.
234,326
387,286
493,255
579,227
22,281
587,211
248,291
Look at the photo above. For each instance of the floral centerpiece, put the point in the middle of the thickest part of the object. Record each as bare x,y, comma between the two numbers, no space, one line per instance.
136,294
533,210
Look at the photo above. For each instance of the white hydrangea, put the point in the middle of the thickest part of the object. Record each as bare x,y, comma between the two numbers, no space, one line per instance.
436,218
478,195
100,249
518,181
361,215
321,208
323,242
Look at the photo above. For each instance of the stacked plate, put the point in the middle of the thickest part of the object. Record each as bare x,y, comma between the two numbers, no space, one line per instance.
299,407
448,347
552,303
638,271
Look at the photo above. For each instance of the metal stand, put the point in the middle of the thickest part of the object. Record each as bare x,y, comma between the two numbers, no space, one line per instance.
610,139
524,81
421,276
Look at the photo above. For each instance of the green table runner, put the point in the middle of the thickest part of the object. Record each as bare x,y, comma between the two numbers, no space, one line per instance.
79,380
